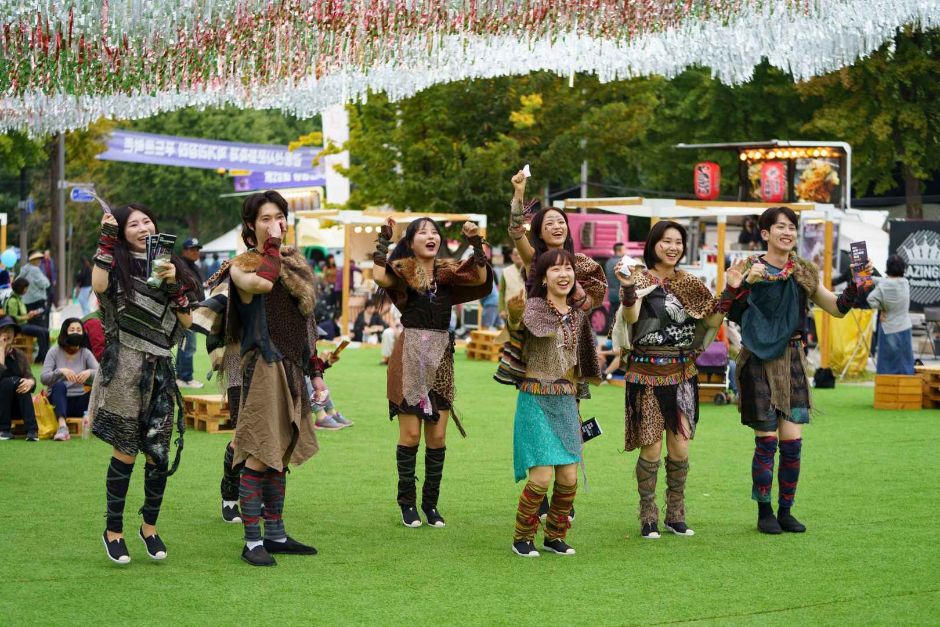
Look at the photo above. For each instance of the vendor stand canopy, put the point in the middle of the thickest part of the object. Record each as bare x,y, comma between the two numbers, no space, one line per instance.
66,64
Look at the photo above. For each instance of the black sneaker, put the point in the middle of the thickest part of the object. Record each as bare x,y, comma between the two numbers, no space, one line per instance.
789,523
524,548
679,528
230,514
410,517
155,547
258,556
558,547
571,514
290,547
543,510
116,549
6,435
434,517
650,531
769,524
32,436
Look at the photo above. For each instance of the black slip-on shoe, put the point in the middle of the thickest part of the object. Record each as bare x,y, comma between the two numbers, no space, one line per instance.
650,531
258,556
769,525
525,548
789,523
231,514
409,516
679,528
116,550
289,547
434,517
558,547
155,547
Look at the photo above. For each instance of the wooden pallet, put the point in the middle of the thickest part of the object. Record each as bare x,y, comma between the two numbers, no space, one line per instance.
207,412
483,345
930,386
898,391
74,425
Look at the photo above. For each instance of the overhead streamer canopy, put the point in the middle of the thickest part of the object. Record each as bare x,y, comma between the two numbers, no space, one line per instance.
65,64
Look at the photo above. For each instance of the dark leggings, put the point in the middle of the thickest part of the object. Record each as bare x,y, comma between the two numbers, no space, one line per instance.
13,405
66,406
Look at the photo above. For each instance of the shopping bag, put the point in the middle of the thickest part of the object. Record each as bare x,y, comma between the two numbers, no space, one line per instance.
45,416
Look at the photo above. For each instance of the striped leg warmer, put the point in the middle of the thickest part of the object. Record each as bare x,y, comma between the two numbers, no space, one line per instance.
250,501
789,473
762,467
557,523
119,478
646,475
527,520
273,488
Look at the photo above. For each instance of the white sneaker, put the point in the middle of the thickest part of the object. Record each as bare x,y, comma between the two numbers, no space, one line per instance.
194,384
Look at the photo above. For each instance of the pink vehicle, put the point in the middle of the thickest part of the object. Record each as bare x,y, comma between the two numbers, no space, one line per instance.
594,235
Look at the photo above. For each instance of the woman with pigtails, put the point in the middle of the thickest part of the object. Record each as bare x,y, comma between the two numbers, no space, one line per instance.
424,288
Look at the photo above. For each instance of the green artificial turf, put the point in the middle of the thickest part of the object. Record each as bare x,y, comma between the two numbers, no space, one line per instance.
867,493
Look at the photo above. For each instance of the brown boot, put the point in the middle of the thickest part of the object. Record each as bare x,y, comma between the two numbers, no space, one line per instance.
646,475
676,474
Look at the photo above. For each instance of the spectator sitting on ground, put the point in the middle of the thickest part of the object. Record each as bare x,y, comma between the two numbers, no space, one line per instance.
16,385
369,325
24,318
67,372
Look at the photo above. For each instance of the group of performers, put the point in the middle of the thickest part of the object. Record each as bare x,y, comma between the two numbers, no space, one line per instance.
261,333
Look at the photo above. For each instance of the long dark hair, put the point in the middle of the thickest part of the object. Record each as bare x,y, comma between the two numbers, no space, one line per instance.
546,260
64,331
123,268
657,233
250,209
403,247
535,233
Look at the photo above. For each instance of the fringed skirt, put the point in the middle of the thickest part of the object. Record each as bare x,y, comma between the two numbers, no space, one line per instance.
421,374
658,395
783,379
132,402
546,432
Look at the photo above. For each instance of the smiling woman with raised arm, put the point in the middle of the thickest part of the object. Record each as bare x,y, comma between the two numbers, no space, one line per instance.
771,307
424,288
132,399
666,318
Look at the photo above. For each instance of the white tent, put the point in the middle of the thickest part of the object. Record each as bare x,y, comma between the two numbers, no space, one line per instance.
227,243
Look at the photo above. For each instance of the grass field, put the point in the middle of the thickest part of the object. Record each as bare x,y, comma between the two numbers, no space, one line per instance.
868,495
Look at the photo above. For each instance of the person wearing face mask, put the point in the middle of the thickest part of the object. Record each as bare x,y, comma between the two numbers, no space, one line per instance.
771,308
420,387
68,369
134,393
16,384
560,352
666,318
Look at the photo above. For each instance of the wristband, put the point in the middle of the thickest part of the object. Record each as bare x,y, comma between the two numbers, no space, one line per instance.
479,257
628,295
726,299
380,256
104,256
270,267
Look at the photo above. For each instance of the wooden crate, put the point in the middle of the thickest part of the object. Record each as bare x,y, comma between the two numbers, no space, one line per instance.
483,346
898,391
74,425
206,412
930,386
27,344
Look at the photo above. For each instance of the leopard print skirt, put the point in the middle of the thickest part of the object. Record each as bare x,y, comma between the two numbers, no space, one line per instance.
652,409
440,395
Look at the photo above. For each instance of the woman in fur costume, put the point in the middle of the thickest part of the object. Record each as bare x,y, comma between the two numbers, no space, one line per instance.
559,351
270,315
771,307
132,399
666,318
549,231
421,368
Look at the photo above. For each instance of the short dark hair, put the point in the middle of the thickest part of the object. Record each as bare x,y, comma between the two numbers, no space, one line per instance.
895,266
657,233
617,245
551,257
250,209
64,332
770,217
20,286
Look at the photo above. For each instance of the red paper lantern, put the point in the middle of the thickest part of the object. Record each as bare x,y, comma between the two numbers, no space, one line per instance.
707,180
773,181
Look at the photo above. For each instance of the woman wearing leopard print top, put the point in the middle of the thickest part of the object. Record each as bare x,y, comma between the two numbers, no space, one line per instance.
667,317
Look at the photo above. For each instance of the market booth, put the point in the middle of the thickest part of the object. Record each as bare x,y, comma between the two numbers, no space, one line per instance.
355,233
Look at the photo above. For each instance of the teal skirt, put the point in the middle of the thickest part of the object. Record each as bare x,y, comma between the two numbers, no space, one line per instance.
546,432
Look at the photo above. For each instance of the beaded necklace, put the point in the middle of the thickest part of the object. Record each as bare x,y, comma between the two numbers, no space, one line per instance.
566,322
784,273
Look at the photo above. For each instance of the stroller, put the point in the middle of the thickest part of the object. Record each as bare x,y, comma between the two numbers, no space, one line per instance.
712,367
